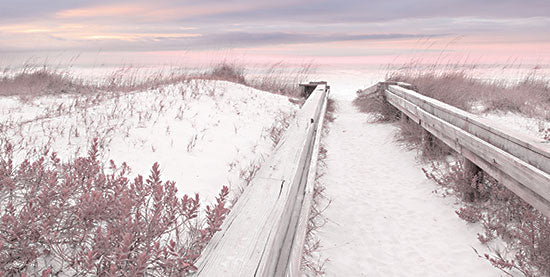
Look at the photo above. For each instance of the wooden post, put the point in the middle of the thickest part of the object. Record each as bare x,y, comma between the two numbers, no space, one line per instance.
518,162
404,118
471,168
427,141
472,171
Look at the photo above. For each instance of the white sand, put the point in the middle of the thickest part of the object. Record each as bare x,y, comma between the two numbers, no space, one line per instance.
230,124
384,219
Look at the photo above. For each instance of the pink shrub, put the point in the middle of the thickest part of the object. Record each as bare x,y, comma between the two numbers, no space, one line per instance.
545,133
215,215
503,215
469,213
525,230
83,218
458,180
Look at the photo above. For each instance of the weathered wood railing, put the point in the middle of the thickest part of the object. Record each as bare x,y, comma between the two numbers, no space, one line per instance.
519,162
265,230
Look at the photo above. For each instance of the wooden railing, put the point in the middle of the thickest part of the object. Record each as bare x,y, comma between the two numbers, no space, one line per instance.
265,231
519,162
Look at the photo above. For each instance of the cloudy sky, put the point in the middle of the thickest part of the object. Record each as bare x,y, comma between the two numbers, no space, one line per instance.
346,31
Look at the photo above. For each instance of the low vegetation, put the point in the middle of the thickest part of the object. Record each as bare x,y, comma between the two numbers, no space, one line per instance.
31,81
77,213
85,217
530,96
277,78
377,106
503,216
41,82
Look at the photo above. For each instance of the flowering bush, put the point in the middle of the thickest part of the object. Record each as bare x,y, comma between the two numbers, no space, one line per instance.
502,215
85,218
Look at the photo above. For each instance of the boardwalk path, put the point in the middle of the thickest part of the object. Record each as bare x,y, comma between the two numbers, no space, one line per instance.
384,219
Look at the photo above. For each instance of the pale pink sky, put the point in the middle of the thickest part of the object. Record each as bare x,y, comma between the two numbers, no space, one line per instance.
326,31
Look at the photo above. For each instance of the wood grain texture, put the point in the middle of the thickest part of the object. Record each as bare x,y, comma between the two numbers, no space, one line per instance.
536,153
509,159
257,237
294,262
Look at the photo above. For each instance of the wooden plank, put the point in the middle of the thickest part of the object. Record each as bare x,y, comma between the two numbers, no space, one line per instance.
536,179
519,189
405,106
257,236
526,148
278,253
370,91
292,209
527,181
294,263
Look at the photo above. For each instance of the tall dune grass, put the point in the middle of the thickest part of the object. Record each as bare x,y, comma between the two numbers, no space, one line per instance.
84,216
276,78
30,81
42,81
523,230
459,86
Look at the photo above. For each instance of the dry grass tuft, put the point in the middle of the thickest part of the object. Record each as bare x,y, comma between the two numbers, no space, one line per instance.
283,79
459,88
331,110
278,78
41,82
227,72
413,137
378,107
31,81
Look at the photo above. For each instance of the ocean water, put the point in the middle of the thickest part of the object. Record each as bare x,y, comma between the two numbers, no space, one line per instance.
358,75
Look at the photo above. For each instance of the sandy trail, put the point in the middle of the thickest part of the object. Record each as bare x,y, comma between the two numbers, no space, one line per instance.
384,219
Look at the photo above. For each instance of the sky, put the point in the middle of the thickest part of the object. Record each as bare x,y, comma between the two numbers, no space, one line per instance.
327,31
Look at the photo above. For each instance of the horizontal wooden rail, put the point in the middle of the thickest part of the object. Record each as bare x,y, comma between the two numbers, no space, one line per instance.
265,230
519,162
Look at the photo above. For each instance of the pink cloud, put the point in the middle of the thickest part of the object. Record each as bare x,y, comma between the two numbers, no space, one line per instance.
148,11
